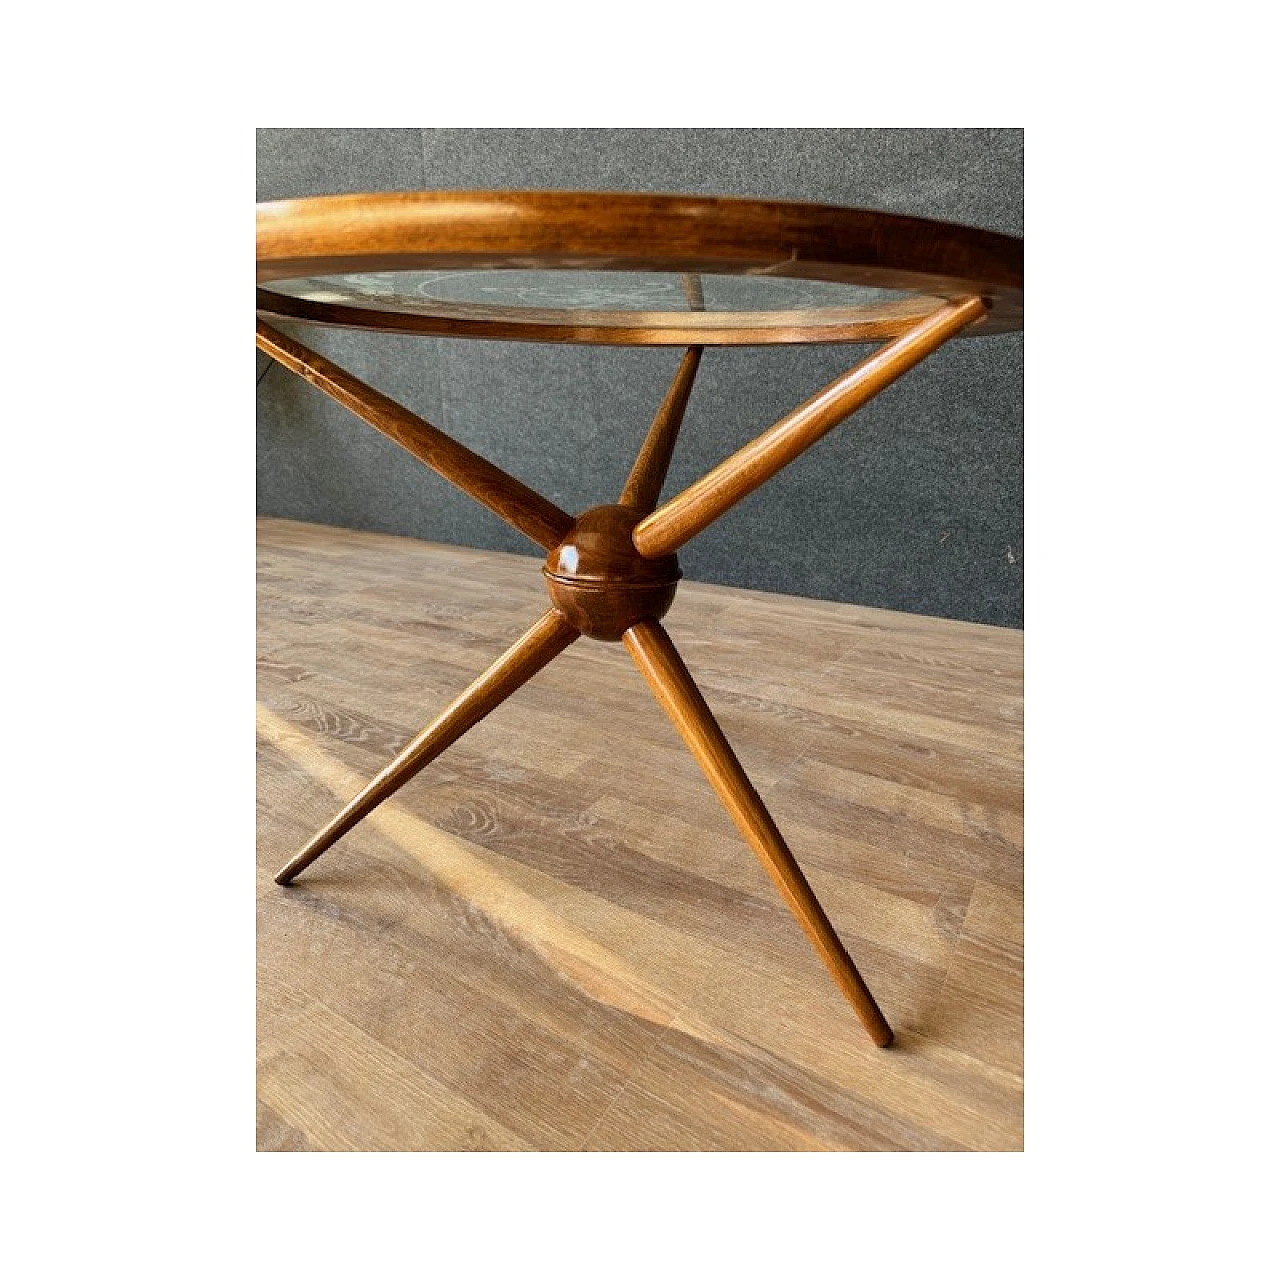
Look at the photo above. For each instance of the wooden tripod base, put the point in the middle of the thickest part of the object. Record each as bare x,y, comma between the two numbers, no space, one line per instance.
601,587
612,575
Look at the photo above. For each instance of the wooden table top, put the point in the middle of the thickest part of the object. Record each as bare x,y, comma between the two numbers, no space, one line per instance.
618,268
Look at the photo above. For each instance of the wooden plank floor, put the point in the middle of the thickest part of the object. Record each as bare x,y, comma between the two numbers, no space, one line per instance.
554,939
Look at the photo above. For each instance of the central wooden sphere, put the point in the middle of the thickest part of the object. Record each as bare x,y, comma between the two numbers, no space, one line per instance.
600,582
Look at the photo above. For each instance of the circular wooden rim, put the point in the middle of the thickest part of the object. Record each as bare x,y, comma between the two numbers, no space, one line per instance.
603,231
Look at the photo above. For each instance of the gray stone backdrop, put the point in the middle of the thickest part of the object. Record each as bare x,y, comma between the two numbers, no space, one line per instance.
914,504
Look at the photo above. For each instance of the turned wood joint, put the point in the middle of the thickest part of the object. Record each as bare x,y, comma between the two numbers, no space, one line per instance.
599,581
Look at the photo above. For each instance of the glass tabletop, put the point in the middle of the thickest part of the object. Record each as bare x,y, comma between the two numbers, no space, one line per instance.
587,291
623,268
602,297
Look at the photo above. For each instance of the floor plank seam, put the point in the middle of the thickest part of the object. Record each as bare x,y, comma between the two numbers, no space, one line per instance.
629,1078
671,1055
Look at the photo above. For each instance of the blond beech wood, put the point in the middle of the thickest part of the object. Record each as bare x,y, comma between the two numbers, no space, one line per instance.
489,485
669,679
549,636
705,501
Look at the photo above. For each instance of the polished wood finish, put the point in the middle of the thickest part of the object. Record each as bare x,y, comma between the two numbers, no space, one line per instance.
329,235
517,504
612,573
600,582
549,636
554,939
669,679
705,501
644,484
609,328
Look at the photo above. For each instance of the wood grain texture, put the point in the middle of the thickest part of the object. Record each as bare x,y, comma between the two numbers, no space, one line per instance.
707,499
554,939
669,679
644,484
447,230
600,582
549,636
601,328
504,495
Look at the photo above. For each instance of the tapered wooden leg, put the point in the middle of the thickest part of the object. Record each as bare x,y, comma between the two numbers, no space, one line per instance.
535,516
644,485
549,636
706,500
673,686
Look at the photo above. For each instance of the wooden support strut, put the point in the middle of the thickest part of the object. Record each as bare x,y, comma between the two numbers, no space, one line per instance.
706,500
669,679
608,581
644,485
504,495
546,639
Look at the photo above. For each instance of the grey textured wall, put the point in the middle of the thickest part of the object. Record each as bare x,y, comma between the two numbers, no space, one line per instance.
914,504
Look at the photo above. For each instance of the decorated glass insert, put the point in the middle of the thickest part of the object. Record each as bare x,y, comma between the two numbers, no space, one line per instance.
602,295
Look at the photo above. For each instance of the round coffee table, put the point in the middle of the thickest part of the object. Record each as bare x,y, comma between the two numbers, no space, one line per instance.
619,269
